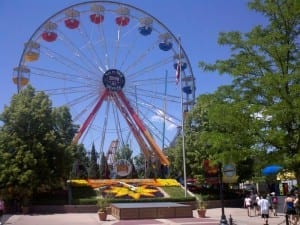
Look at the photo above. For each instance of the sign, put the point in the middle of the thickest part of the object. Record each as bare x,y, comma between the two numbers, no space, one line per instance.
113,80
211,172
229,170
123,167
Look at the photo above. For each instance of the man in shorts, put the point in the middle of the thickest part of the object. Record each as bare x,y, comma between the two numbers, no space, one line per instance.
264,209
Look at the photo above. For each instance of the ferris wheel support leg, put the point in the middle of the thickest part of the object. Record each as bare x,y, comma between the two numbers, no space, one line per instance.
133,129
164,160
91,116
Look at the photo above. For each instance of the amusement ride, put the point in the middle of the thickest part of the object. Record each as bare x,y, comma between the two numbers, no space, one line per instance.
124,76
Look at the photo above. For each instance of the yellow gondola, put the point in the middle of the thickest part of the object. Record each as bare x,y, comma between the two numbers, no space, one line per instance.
21,75
32,52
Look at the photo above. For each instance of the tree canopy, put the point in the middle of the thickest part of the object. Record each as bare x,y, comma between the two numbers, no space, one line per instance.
260,110
36,150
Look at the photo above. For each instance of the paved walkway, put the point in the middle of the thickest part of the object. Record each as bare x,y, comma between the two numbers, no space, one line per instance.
239,216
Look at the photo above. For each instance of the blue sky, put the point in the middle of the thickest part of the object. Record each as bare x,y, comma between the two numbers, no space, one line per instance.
196,22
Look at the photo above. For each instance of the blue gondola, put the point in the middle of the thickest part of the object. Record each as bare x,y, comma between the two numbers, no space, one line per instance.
165,46
187,89
145,30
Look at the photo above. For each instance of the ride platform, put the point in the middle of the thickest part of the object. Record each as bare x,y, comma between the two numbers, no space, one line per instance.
151,210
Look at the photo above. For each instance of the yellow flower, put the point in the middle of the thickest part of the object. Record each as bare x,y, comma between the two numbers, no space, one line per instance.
133,193
167,182
79,182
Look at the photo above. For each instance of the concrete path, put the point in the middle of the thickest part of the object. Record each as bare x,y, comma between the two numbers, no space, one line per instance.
213,216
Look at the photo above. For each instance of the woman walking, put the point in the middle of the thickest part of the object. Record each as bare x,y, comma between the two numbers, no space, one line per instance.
289,208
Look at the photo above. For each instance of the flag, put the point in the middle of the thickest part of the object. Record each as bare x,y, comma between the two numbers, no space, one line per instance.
177,73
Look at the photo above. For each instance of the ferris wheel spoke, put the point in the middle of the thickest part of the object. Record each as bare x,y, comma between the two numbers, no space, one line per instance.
93,45
77,51
105,122
148,94
117,125
67,62
78,116
157,112
74,78
104,42
149,68
140,58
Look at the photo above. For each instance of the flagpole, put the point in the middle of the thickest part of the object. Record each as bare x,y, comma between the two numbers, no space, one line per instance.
182,119
164,113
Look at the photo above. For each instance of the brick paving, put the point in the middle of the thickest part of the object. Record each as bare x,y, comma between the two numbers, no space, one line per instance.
239,216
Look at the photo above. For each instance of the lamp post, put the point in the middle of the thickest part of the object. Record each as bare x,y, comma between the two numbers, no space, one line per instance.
69,185
223,220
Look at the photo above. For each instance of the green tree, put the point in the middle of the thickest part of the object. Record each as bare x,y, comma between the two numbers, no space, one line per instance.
139,163
81,163
36,153
218,128
93,165
264,65
103,168
123,153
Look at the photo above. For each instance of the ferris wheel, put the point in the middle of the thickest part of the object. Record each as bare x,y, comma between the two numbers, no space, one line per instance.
122,73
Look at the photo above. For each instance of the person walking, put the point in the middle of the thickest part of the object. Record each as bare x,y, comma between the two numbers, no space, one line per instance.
274,200
254,204
289,208
1,209
258,208
297,208
248,204
264,209
268,197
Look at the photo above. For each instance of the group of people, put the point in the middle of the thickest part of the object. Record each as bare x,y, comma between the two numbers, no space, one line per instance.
268,204
261,205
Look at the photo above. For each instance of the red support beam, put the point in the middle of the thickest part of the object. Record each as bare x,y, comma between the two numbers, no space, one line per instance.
91,116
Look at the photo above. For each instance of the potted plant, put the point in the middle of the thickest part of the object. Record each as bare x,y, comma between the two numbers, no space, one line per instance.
201,208
103,203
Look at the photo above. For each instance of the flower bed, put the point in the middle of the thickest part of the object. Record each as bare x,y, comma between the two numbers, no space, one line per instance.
97,183
127,188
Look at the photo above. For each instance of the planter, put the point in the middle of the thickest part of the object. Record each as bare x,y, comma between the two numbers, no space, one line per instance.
201,212
102,215
108,210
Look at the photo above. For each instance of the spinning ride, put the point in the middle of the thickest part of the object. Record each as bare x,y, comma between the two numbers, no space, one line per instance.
114,66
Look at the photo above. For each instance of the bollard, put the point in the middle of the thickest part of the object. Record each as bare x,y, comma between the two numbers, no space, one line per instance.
230,220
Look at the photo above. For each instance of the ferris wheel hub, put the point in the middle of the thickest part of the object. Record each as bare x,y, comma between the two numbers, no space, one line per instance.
113,80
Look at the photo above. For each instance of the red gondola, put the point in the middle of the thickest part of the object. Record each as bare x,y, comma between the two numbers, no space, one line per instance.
72,23
97,18
49,36
123,16
122,20
72,18
49,33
